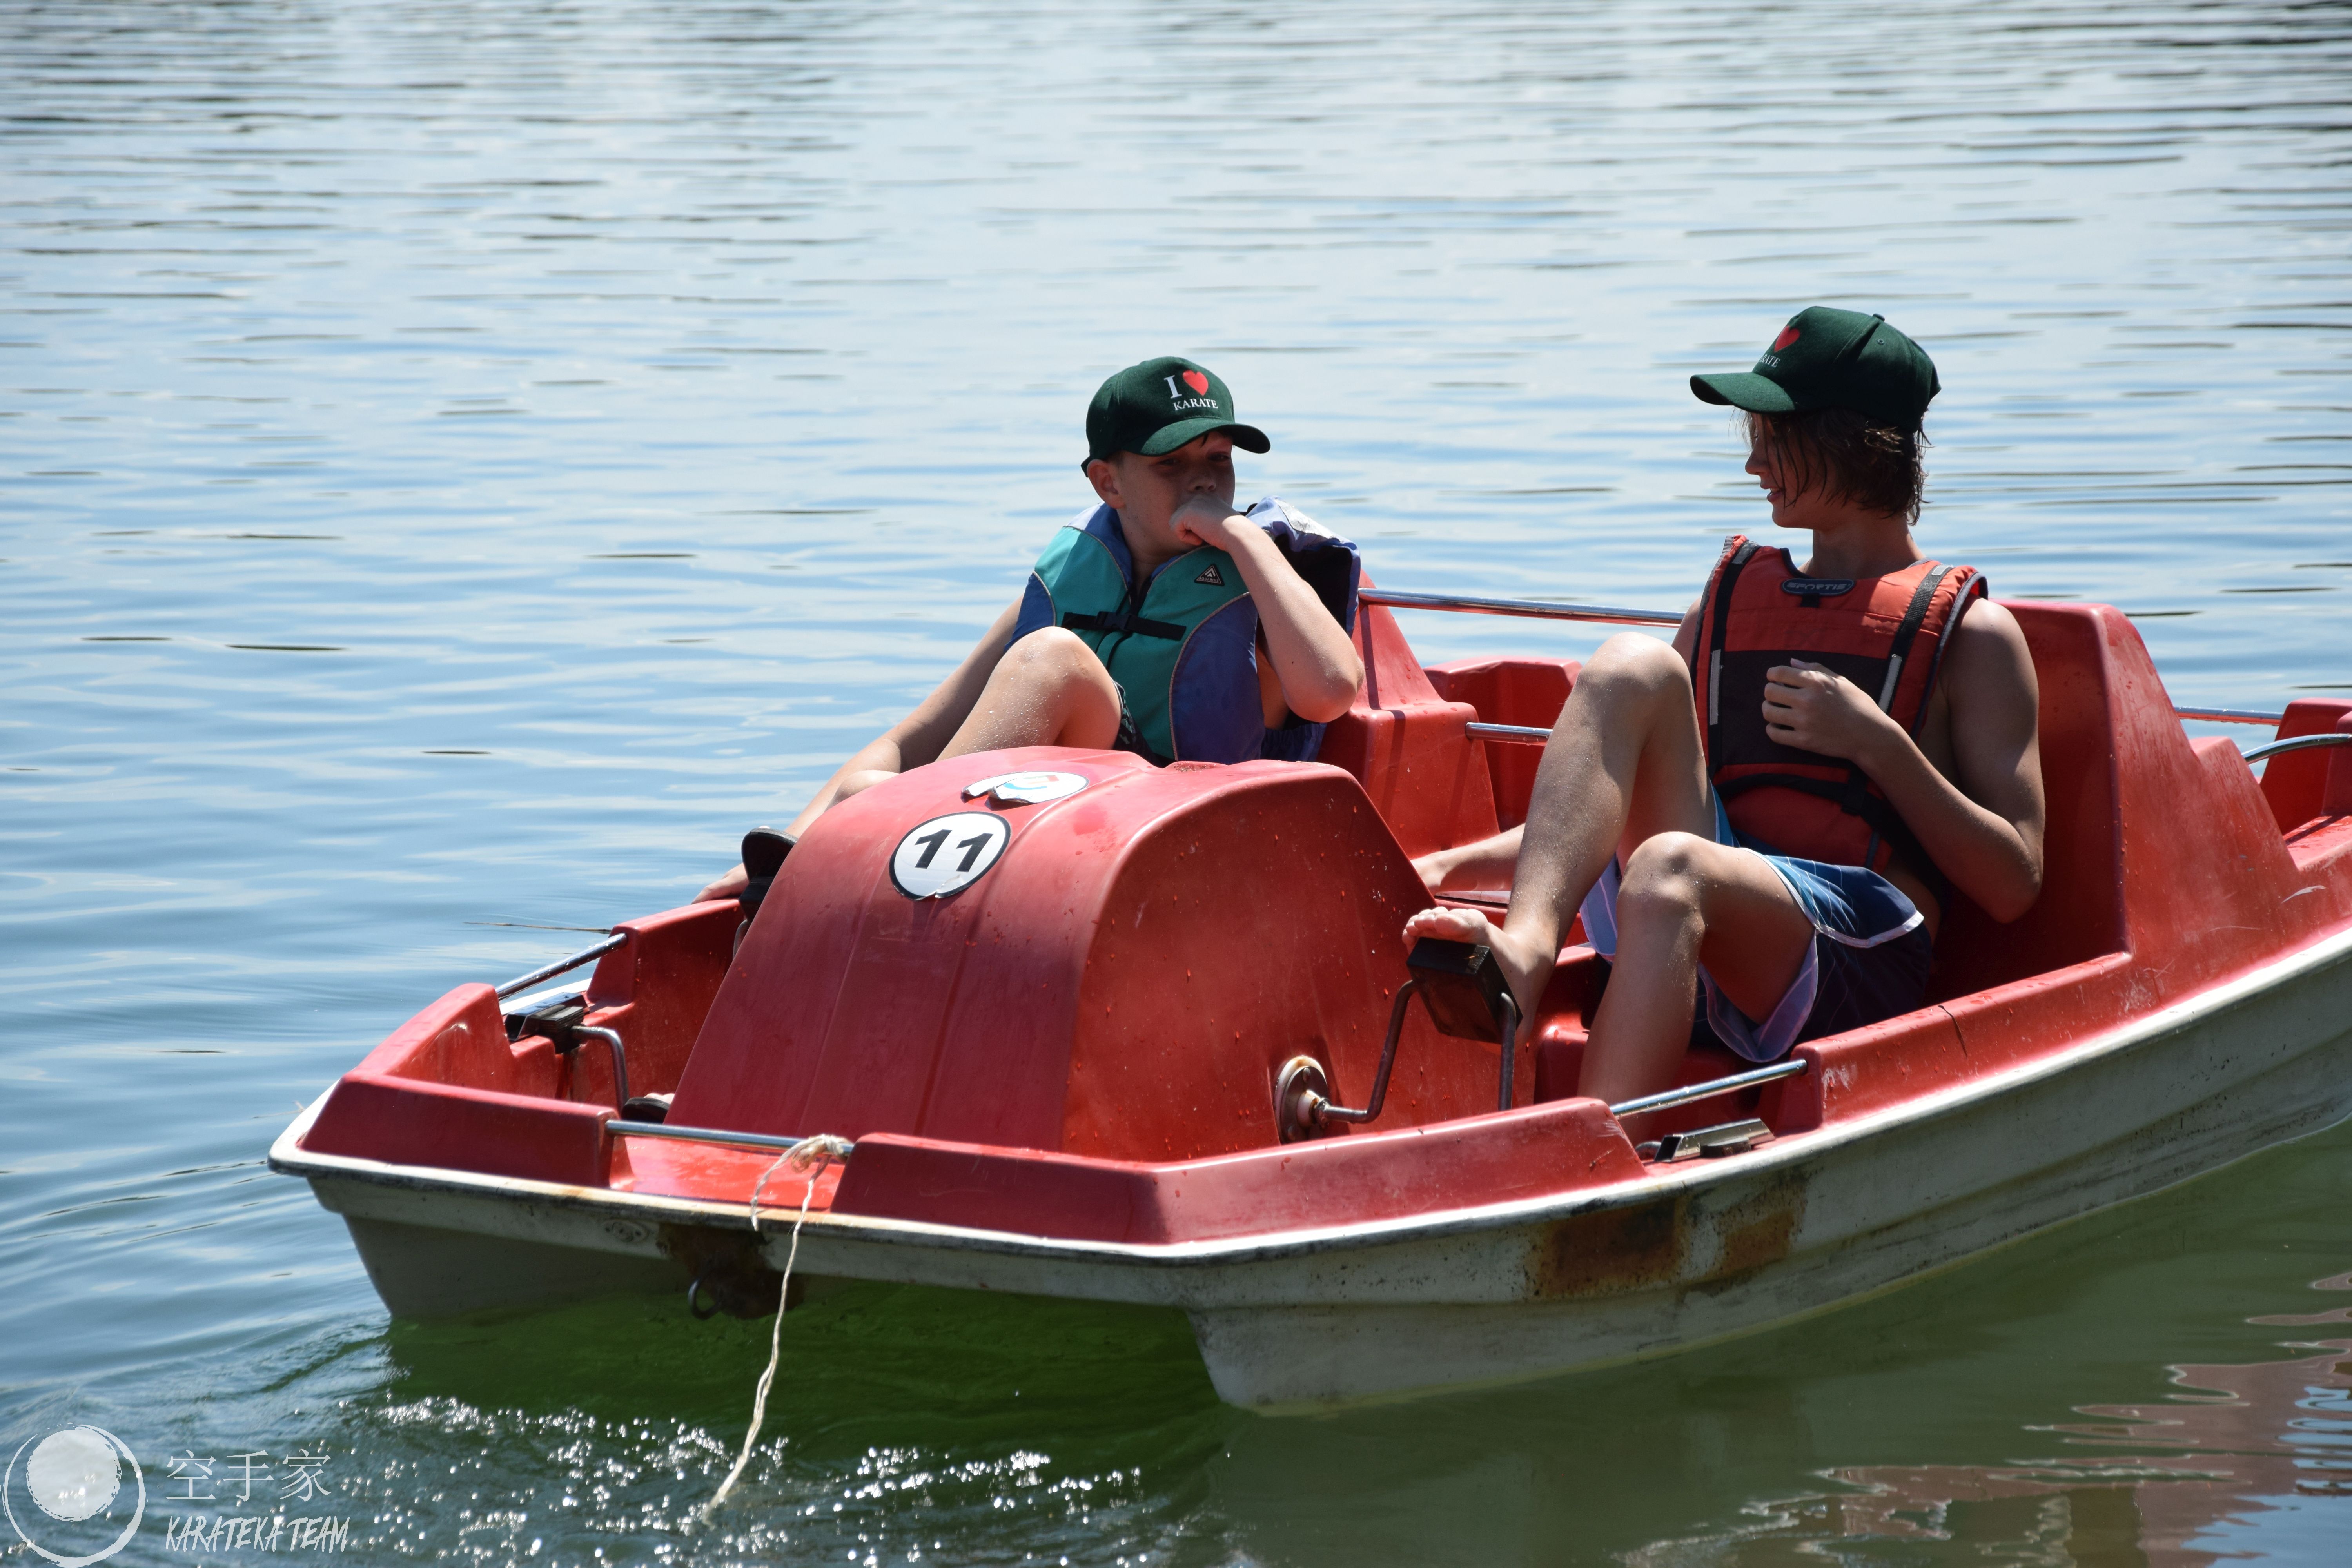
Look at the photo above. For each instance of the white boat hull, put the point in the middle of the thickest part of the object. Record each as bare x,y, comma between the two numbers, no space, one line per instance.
1689,1254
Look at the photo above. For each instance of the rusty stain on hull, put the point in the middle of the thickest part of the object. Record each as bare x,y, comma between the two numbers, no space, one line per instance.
1759,1228
1600,1252
1603,1252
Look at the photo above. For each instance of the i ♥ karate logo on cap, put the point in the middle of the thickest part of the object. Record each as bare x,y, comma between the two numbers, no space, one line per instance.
1829,358
1159,405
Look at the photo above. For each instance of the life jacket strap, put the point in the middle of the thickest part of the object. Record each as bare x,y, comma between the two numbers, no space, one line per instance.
1725,580
1914,615
1125,620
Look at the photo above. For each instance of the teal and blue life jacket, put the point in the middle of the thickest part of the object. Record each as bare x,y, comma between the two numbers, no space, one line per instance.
1184,645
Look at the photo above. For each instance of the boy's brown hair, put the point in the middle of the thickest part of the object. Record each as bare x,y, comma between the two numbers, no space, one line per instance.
1849,454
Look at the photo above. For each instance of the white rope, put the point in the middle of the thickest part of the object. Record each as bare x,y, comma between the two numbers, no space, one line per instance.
810,1157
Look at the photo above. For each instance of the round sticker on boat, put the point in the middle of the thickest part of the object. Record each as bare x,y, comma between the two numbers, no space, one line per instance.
947,854
1026,789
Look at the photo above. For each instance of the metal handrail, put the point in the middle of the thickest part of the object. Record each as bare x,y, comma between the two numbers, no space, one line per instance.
620,1058
621,1129
1471,606
1712,1088
1530,735
1537,609
1510,734
2300,744
561,965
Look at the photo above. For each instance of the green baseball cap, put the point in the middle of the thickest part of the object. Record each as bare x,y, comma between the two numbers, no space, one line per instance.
1828,358
1160,404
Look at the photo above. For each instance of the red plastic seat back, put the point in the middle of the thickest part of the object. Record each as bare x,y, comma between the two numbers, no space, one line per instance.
2080,913
1525,691
1409,747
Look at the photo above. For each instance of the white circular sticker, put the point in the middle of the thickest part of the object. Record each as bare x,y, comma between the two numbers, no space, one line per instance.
1026,789
949,853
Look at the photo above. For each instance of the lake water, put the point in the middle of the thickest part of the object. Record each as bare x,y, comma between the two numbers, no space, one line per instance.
460,465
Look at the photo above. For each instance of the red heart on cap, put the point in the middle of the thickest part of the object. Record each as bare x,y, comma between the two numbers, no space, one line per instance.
1196,381
1788,335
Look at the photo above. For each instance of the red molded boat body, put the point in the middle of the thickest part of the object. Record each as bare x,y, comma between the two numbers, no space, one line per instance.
1061,1079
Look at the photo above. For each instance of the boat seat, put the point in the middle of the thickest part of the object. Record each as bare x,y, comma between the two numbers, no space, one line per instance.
1526,691
2297,785
1409,746
2079,915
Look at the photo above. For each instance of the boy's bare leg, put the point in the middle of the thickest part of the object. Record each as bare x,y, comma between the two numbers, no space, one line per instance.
1684,901
1049,690
1472,868
1624,773
1623,762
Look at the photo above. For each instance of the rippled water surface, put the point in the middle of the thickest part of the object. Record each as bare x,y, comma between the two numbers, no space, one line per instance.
461,464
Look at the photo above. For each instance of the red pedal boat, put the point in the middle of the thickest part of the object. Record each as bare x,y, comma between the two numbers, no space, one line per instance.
1093,1032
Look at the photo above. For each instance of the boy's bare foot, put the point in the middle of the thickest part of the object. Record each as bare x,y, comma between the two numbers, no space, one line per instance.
1528,971
731,886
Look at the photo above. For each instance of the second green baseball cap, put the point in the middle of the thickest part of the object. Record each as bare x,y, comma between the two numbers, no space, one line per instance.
1829,358
1160,404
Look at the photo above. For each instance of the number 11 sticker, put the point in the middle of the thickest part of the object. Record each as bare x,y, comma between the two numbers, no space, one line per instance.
947,854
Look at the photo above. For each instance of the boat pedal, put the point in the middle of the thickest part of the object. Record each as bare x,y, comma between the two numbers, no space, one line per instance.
558,1020
1462,986
1707,1142
654,1108
765,851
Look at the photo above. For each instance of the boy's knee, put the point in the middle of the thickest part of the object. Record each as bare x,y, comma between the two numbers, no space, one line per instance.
1056,664
1054,652
1047,645
1665,872
1629,660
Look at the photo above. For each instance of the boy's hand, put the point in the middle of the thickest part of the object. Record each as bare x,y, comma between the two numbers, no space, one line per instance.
1814,708
1205,520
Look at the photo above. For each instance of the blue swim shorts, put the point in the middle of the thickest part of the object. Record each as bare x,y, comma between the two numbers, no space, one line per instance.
1868,961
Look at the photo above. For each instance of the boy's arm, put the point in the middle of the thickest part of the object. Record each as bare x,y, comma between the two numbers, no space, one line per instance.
1312,655
917,739
1983,827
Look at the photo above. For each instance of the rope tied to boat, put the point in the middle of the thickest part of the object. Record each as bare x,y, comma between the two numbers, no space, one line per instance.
809,1157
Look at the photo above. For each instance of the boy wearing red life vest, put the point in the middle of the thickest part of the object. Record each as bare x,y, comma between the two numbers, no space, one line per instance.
1160,621
1767,820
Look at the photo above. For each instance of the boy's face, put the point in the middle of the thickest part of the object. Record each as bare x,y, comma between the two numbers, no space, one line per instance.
1146,493
1791,506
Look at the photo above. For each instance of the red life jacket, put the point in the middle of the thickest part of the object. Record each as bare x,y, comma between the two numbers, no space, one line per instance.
1886,634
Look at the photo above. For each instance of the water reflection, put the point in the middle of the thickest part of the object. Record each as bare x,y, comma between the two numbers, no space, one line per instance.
2214,1472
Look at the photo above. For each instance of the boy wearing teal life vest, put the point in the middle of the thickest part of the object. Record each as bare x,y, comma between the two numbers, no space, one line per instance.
1160,621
